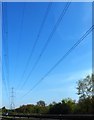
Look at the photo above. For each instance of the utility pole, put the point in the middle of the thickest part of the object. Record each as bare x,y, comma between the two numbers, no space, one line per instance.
12,105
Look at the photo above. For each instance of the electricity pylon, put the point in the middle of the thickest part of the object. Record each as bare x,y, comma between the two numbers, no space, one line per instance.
12,105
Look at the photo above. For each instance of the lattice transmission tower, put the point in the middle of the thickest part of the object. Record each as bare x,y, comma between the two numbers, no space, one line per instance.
12,104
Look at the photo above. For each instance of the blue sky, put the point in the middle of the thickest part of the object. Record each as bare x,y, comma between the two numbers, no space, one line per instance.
0,55
21,24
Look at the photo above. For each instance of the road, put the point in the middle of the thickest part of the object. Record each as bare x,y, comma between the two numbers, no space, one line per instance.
50,117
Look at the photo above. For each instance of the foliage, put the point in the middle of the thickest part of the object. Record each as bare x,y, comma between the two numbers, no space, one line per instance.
85,87
86,95
4,110
31,109
85,104
41,103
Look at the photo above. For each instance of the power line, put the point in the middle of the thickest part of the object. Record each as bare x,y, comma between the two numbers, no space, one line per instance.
62,58
5,84
37,39
49,38
19,38
6,55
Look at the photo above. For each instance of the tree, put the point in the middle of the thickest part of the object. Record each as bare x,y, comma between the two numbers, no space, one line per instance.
41,103
70,103
85,87
55,109
86,94
93,85
66,106
4,110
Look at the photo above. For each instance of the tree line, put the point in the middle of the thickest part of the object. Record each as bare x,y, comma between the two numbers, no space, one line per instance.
85,104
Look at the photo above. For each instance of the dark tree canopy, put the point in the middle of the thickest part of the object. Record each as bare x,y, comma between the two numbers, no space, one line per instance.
41,103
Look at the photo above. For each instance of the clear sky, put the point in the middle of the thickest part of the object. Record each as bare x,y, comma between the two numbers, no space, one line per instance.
21,25
0,55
